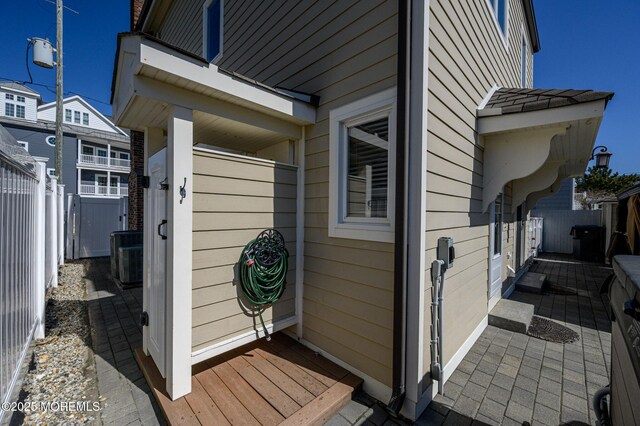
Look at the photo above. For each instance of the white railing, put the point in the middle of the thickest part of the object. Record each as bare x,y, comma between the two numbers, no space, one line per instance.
111,191
29,221
120,162
104,161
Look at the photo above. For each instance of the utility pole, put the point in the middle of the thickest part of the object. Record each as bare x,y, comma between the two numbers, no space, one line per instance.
59,91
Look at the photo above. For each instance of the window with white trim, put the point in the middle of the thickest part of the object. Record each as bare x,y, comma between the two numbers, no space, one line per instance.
85,118
76,117
8,96
51,172
213,11
500,9
67,115
20,111
20,98
24,145
9,110
51,140
362,168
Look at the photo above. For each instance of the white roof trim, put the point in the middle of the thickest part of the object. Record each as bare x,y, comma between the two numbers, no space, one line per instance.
88,106
536,149
145,57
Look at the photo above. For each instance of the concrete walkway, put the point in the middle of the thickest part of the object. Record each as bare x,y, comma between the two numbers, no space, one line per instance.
509,378
113,315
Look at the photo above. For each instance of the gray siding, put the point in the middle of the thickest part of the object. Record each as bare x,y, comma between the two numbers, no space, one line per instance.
38,147
561,200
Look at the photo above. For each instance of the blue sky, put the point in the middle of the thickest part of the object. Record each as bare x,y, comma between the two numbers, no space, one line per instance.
586,44
594,44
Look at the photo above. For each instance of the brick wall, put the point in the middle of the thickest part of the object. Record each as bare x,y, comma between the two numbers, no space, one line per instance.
136,192
136,8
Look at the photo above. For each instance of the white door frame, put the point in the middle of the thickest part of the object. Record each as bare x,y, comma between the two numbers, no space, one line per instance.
495,259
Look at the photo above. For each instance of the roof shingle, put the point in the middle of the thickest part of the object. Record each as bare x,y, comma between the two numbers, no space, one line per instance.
514,100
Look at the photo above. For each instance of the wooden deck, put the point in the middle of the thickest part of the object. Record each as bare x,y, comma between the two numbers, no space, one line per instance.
262,383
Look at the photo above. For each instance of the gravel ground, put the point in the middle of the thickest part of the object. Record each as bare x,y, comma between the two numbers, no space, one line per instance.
61,368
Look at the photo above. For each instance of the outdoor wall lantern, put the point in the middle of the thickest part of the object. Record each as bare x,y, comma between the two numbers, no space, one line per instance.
602,158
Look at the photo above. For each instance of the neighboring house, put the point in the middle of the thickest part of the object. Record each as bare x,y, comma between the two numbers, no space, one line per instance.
303,117
563,199
96,158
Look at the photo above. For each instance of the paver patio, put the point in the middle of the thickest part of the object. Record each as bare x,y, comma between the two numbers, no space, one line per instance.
506,378
510,378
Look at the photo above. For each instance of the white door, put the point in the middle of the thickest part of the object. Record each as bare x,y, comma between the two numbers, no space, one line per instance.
157,280
495,252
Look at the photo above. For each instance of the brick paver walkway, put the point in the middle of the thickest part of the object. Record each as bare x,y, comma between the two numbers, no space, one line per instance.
114,314
509,378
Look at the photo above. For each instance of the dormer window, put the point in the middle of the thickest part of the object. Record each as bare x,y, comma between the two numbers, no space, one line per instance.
20,98
76,117
8,96
212,29
85,118
67,115
9,110
20,111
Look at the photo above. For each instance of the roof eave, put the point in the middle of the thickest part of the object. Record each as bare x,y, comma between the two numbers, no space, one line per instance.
530,17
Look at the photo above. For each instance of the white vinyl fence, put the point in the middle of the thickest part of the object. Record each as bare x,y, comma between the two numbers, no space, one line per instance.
29,244
556,236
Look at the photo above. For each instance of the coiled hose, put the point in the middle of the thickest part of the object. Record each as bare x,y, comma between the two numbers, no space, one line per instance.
263,270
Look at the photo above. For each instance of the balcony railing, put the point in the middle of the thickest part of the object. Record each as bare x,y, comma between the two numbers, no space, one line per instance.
96,160
106,191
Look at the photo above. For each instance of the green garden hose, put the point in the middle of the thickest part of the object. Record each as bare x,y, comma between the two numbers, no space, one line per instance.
263,270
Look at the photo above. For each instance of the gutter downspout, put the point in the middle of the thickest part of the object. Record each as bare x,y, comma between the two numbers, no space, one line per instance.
400,242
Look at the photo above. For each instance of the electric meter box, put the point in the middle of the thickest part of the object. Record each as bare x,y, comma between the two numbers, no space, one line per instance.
446,251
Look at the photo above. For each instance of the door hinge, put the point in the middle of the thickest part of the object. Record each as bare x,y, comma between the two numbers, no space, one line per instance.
145,181
144,319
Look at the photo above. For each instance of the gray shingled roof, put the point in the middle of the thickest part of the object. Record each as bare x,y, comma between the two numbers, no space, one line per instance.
509,101
18,86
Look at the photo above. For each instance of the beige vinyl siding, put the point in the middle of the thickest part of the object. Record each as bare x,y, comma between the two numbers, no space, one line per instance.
341,51
234,200
466,58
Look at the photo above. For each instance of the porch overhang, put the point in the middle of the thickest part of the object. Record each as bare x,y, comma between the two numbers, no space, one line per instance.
536,149
150,76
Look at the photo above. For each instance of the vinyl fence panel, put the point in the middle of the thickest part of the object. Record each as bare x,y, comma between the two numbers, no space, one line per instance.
558,224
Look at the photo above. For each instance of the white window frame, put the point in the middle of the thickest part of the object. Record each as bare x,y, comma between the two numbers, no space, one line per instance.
8,96
77,114
48,140
85,115
504,35
51,171
126,154
205,30
68,115
524,62
13,109
24,111
366,109
98,150
24,145
20,98
93,150
99,175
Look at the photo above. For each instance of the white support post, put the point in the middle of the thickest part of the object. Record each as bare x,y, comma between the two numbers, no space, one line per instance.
153,141
108,181
179,247
79,150
60,205
109,155
40,255
52,230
